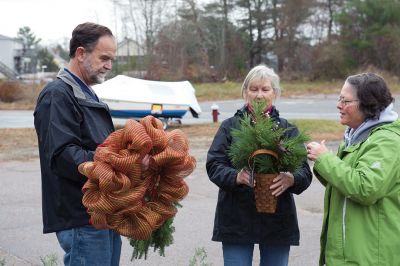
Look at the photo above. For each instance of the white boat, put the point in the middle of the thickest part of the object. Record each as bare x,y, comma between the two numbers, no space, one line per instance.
136,98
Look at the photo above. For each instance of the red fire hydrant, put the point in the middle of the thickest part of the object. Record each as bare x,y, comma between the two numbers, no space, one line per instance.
215,113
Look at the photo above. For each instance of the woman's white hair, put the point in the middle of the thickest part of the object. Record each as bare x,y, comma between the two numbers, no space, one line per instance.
262,72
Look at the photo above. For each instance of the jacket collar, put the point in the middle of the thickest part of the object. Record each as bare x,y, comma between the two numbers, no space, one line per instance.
77,90
67,78
354,136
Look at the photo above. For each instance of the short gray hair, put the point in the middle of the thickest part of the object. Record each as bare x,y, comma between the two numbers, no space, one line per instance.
372,93
262,72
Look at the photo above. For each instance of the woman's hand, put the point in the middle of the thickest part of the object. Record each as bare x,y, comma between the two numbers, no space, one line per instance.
243,178
315,149
282,182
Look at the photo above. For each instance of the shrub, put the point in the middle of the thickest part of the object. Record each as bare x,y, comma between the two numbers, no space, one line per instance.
330,62
11,91
19,95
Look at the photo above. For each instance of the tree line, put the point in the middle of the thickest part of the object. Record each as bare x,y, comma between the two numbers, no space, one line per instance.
221,39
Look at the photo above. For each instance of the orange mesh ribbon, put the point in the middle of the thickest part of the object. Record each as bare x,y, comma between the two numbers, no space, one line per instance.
120,196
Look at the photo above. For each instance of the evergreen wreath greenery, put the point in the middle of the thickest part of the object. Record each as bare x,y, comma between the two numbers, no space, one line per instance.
257,131
160,238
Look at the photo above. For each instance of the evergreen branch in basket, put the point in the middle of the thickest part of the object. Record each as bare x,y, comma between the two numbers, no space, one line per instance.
259,131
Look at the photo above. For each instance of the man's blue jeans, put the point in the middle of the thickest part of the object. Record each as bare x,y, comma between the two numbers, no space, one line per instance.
88,246
242,254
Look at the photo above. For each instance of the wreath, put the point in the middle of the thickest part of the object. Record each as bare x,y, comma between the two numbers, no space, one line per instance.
138,204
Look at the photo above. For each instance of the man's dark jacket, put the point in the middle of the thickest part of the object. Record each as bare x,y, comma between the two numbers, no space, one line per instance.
69,124
236,218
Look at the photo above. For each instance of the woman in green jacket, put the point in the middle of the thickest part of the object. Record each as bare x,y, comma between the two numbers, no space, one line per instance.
361,223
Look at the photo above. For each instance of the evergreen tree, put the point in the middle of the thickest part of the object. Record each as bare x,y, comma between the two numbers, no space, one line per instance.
370,33
45,58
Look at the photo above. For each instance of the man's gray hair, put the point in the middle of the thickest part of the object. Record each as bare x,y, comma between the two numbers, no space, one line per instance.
262,72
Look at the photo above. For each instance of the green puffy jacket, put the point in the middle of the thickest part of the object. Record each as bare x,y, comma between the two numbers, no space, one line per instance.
362,201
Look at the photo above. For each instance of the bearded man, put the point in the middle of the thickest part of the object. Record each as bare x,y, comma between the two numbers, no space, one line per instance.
71,122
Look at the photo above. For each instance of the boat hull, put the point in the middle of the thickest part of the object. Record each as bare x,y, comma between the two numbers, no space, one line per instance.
128,109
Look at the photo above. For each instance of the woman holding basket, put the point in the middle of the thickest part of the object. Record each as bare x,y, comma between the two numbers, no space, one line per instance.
237,223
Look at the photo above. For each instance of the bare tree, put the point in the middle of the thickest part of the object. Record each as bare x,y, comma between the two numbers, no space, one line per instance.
323,18
194,17
255,22
333,7
289,17
142,19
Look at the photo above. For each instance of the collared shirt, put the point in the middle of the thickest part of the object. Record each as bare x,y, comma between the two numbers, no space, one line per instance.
85,88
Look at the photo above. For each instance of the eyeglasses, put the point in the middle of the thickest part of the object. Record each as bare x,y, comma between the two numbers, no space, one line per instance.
344,102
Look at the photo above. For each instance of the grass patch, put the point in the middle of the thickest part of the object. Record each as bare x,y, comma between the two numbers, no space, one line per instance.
199,258
231,90
297,88
199,130
320,129
49,260
18,144
317,129
217,91
21,143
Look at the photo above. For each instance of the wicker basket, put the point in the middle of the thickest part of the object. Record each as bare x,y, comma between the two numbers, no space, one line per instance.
265,201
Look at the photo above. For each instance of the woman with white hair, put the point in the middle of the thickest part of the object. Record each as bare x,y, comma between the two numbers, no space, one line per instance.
237,223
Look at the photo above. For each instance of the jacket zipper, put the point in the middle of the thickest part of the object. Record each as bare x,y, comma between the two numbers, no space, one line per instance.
344,222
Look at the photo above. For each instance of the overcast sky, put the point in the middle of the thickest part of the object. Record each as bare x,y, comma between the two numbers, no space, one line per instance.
53,20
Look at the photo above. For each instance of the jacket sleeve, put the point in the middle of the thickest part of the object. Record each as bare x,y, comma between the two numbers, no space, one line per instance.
319,177
370,175
218,165
303,176
60,132
302,179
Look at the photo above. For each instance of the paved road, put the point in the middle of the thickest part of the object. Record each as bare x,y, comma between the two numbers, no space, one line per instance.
318,107
22,241
312,108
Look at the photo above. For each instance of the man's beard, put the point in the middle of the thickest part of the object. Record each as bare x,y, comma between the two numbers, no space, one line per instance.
94,76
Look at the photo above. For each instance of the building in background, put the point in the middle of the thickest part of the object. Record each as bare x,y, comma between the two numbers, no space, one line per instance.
128,49
11,58
130,59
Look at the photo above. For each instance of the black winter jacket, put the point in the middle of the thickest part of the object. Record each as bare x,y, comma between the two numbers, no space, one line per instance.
69,125
236,218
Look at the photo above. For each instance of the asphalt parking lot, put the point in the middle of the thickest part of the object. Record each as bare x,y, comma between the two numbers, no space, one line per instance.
22,241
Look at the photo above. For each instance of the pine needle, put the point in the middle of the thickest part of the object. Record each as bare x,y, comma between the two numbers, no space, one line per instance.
159,240
261,132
